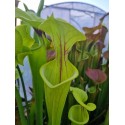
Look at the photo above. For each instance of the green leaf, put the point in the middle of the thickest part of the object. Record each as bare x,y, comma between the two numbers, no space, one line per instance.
20,107
23,43
93,51
62,33
56,93
40,7
81,97
90,106
78,115
63,36
59,73
79,94
25,6
28,17
36,59
92,89
16,74
32,113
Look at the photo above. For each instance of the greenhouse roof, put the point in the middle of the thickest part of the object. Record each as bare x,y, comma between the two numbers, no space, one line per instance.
78,14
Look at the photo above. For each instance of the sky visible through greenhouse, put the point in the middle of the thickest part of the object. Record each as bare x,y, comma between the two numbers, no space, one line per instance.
33,4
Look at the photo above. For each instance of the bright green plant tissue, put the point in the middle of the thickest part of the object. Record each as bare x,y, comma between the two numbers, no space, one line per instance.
78,114
59,73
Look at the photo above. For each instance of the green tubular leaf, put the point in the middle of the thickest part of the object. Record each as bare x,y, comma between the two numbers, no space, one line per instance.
81,97
46,71
92,89
63,36
78,115
32,114
23,43
20,107
55,94
28,17
61,33
93,51
36,59
59,73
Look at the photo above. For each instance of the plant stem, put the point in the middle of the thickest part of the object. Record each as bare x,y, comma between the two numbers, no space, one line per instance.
40,7
24,91
32,113
20,107
36,60
18,83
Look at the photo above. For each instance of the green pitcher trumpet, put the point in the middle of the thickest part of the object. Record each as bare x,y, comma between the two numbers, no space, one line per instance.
36,59
58,73
55,94
78,114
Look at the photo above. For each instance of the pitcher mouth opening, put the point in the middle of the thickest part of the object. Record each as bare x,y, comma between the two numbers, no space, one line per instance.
48,82
80,121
